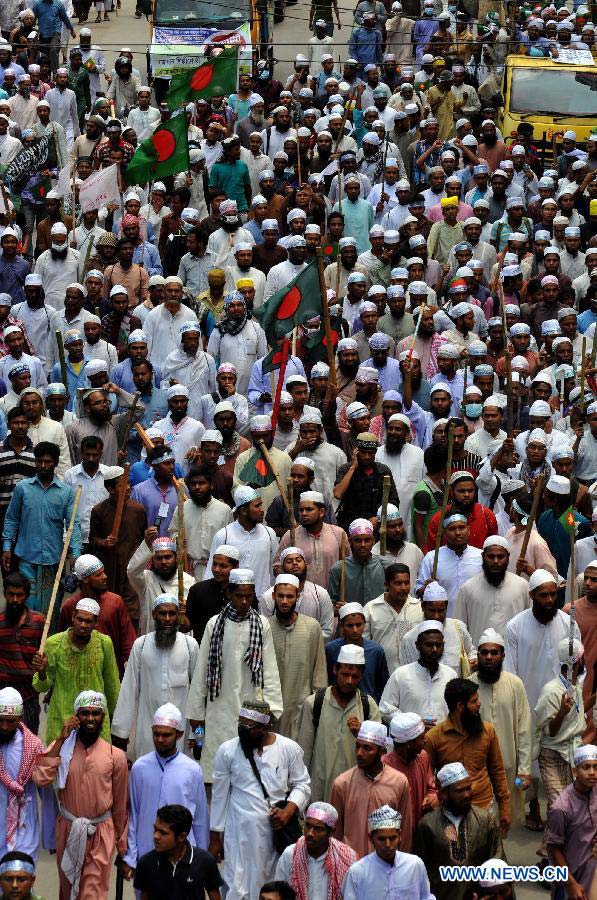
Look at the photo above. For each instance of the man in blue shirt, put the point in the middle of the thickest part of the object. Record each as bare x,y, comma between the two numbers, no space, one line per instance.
366,43
352,626
51,16
38,514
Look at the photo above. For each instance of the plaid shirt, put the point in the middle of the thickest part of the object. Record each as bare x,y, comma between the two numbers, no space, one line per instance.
102,151
18,645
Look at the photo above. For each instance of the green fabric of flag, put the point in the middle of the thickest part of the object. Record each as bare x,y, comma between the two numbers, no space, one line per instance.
165,153
317,343
272,361
567,520
256,471
215,77
291,305
39,191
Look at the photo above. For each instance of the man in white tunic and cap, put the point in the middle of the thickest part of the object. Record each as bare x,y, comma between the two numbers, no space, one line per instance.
191,366
58,266
459,649
159,670
162,777
237,339
387,872
260,782
162,324
236,660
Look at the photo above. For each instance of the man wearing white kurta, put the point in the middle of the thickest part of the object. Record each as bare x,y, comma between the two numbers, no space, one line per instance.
241,816
419,686
457,640
222,243
162,324
384,624
454,565
159,670
191,366
237,661
326,458
405,462
181,432
36,319
162,777
148,583
60,271
283,273
238,340
494,596
202,520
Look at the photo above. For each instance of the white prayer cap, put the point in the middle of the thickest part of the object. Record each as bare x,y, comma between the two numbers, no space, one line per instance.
117,289
541,576
291,551
177,390
429,625
164,598
58,228
242,576
95,366
360,527
441,386
384,817
582,754
313,496
392,513
537,436
32,280
212,435
228,551
189,326
11,702
87,564
496,540
86,604
496,871
557,484
13,329
288,579
169,716
351,655
323,812
406,727
260,423
451,773
224,406
244,494
490,636
351,609
564,648
304,461
540,408
434,592
137,337
90,699
373,733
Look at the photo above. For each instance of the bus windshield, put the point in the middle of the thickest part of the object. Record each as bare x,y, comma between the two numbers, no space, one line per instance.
555,92
204,13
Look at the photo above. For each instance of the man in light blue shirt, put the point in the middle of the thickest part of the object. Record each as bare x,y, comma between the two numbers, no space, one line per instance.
51,16
358,214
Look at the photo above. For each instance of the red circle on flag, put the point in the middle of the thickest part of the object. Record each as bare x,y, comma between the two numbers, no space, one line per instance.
165,144
289,304
261,467
334,337
328,250
201,78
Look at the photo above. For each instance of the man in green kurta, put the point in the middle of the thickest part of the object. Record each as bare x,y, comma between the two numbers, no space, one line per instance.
365,573
78,659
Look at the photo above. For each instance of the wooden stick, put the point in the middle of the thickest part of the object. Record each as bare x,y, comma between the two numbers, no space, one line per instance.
121,490
532,516
298,164
62,358
129,421
440,528
343,570
383,528
594,349
325,311
149,445
290,489
572,613
416,334
272,469
294,337
63,556
508,363
180,547
583,374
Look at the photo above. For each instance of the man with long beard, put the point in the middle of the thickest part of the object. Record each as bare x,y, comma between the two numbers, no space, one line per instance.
347,366
504,703
459,649
152,570
465,738
99,420
20,637
532,639
404,460
58,266
494,596
159,670
427,341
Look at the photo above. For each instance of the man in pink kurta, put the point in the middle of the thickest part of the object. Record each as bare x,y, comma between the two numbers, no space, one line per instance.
92,795
408,757
364,788
322,548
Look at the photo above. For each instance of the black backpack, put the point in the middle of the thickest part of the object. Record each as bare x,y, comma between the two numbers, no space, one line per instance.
318,705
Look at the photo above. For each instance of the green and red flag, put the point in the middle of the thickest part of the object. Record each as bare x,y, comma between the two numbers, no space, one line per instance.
567,520
39,191
216,77
317,343
292,305
256,471
165,152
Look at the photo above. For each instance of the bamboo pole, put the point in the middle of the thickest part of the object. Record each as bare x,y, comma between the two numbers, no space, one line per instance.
272,469
290,489
58,576
572,613
129,421
343,570
583,374
180,548
440,527
383,528
532,515
122,486
325,311
62,358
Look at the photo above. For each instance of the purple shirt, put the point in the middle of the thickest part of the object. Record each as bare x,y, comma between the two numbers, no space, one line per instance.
151,497
572,826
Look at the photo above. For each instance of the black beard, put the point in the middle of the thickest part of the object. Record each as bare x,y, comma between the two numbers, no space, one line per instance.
490,140
489,674
165,635
495,579
59,254
288,616
246,742
230,226
167,573
283,128
100,418
472,722
13,613
6,738
394,446
227,434
88,738
547,615
349,370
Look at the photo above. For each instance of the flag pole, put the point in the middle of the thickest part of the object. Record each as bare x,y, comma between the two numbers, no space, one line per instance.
440,527
508,363
383,528
572,612
272,468
583,374
281,374
290,487
325,311
532,515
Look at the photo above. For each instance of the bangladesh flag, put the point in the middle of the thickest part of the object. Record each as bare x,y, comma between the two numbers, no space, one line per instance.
256,472
291,305
329,250
567,520
38,191
165,153
216,77
275,358
317,343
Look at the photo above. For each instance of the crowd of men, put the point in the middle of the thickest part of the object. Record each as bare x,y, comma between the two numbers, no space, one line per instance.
328,626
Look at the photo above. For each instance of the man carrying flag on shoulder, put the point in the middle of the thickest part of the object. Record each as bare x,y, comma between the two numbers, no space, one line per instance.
559,519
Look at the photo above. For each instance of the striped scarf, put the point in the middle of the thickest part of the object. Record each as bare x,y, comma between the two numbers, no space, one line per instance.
32,747
253,656
338,861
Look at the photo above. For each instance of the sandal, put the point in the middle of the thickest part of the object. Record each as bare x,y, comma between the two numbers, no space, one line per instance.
534,823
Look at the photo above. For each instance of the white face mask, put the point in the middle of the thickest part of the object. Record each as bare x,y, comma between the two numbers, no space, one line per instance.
230,219
58,247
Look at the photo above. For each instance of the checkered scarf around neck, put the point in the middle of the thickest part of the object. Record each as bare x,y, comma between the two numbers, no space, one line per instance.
253,656
338,860
226,325
32,747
